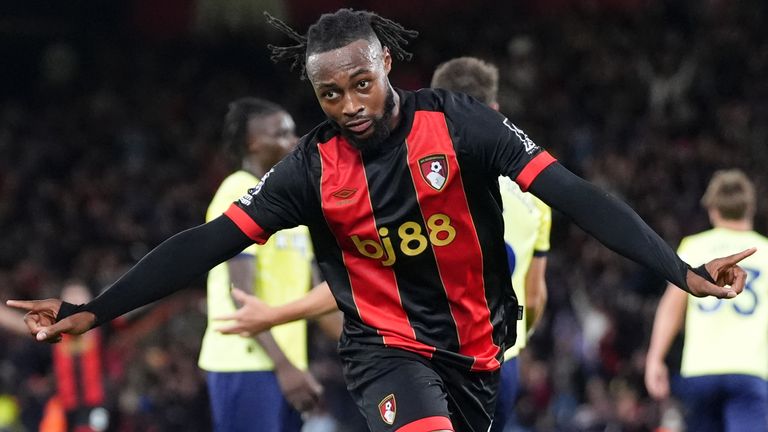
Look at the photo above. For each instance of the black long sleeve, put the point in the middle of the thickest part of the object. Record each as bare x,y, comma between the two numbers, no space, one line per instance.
167,269
610,221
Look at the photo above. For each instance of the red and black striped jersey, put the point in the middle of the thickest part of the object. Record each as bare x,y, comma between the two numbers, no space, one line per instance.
409,236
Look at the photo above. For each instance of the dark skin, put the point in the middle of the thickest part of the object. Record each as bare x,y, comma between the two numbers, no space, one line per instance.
351,84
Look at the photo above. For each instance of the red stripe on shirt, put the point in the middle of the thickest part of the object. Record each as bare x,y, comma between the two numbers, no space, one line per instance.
533,169
428,424
246,224
347,208
459,262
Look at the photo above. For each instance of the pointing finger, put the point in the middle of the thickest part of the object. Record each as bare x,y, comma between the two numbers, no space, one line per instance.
735,258
22,304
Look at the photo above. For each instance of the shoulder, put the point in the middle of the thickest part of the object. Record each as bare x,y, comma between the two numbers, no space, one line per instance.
435,99
321,133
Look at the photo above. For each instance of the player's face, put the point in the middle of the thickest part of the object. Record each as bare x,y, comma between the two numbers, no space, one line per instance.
353,89
272,137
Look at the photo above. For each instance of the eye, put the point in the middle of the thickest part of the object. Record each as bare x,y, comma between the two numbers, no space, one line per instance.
363,84
329,94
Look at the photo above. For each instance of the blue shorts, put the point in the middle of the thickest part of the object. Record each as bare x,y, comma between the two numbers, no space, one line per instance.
505,402
727,403
250,402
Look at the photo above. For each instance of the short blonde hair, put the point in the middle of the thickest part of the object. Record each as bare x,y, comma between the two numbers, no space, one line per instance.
731,193
468,75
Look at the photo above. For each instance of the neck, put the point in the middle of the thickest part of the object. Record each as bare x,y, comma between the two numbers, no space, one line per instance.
395,120
254,166
736,225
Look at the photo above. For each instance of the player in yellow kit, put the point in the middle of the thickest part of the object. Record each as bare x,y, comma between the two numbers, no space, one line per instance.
725,353
258,383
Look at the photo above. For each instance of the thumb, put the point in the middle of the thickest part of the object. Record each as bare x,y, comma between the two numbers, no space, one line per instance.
53,333
240,295
722,292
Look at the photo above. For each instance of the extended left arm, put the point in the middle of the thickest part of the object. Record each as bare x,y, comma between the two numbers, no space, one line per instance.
618,227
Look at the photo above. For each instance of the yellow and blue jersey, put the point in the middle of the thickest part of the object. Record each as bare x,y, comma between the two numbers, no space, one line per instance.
527,224
727,336
282,274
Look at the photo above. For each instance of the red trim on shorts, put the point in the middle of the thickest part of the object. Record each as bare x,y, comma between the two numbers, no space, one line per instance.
428,424
247,225
533,169
460,262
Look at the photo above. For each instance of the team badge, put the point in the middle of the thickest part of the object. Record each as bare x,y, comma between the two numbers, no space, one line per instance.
388,409
434,170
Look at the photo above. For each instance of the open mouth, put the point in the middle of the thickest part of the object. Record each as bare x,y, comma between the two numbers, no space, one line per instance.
359,127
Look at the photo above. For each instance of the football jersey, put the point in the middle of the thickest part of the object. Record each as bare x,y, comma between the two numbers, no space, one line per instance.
727,336
282,274
527,224
409,235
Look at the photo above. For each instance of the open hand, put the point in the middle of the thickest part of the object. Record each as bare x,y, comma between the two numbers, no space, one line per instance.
729,277
253,317
300,388
657,379
41,319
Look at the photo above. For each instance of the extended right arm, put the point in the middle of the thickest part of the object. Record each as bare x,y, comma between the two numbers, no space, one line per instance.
165,270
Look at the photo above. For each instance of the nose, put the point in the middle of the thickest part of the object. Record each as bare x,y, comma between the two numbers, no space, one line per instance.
352,106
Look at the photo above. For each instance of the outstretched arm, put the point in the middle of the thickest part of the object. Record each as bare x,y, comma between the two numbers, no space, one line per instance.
617,226
165,270
670,315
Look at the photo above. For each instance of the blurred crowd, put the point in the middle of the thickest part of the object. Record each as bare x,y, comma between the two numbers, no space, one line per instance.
110,143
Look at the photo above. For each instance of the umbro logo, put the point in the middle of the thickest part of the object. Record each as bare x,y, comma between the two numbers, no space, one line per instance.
344,193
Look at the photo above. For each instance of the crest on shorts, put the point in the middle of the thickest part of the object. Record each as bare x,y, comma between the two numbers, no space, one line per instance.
434,170
388,409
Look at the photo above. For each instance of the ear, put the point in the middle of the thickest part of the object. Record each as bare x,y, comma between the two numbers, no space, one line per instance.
494,105
387,57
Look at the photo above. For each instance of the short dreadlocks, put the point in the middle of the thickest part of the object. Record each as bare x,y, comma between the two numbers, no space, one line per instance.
335,30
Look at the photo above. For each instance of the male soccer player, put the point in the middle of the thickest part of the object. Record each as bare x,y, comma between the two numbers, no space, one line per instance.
527,222
725,353
419,270
259,380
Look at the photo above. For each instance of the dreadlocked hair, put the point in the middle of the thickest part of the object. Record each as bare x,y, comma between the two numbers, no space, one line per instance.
235,131
335,30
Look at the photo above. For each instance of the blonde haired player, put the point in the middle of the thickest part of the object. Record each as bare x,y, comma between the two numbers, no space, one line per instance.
725,353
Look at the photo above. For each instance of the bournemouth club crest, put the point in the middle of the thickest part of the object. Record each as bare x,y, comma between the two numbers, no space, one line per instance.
388,409
434,170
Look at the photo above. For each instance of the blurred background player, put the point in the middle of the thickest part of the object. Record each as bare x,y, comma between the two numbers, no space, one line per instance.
527,223
725,353
258,383
79,403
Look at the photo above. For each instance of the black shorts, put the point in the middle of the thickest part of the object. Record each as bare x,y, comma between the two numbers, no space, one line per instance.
401,391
